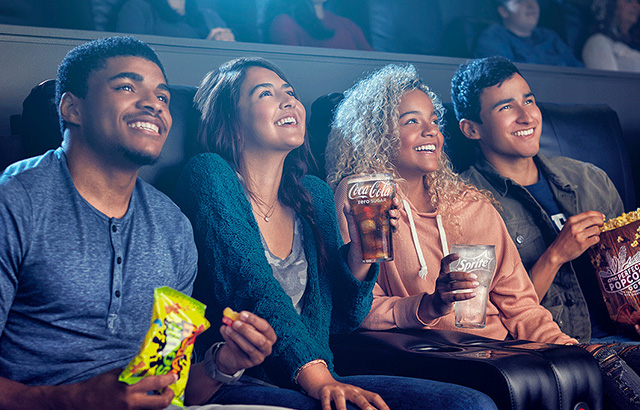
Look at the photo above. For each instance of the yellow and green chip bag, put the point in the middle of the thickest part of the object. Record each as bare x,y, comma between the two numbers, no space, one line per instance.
177,320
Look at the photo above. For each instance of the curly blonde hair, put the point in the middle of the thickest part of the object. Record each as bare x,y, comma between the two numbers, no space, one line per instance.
365,138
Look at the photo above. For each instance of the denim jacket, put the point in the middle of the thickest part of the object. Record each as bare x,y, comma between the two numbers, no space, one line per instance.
577,187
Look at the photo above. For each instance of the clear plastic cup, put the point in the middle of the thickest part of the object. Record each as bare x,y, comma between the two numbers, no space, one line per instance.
480,260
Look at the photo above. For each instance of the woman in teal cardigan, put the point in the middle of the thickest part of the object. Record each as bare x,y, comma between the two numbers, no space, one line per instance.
269,243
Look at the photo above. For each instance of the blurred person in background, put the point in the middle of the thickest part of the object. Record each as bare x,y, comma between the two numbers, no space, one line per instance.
615,42
172,18
309,23
521,40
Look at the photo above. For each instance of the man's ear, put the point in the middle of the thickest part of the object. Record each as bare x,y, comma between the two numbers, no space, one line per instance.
504,13
70,110
470,129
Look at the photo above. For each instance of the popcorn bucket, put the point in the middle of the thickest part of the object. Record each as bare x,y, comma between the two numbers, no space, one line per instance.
616,260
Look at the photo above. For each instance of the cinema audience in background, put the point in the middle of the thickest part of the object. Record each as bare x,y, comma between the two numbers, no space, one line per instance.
528,31
309,23
521,40
615,44
173,18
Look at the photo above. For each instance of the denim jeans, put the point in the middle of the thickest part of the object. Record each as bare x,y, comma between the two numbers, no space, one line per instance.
619,365
400,393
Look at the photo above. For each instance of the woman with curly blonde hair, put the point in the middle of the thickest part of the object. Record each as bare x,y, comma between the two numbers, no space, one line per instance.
391,122
371,109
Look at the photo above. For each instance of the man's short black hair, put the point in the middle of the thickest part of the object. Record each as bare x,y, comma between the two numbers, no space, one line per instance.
472,78
77,65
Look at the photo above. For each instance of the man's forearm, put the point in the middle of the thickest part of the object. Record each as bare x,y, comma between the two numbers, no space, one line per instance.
17,396
544,271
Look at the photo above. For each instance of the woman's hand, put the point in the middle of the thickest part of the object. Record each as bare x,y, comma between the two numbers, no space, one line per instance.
320,384
248,342
450,287
358,268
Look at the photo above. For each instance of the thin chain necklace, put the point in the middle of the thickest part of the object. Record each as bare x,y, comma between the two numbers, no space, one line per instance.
265,215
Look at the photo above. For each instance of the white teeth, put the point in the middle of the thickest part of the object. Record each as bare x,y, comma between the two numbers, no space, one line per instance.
287,120
145,126
523,133
427,147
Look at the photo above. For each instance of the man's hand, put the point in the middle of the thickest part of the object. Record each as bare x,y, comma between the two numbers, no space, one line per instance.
450,287
248,341
221,34
580,232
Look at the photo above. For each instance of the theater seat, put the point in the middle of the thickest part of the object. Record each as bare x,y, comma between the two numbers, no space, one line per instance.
517,375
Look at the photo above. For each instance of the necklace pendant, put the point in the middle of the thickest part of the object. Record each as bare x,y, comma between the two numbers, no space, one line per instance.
266,219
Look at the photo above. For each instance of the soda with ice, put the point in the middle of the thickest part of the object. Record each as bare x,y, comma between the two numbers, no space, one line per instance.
370,199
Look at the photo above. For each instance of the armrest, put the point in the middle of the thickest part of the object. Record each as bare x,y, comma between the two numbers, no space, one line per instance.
516,374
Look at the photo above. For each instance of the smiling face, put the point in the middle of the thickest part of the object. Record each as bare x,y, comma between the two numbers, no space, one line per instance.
420,137
520,16
272,117
511,121
125,115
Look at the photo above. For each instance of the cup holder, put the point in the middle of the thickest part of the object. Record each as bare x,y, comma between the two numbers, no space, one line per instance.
477,342
435,349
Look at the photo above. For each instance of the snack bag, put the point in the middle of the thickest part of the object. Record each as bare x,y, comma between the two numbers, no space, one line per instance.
177,320
616,260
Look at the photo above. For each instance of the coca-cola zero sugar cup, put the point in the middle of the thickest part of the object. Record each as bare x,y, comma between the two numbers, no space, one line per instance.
480,260
370,199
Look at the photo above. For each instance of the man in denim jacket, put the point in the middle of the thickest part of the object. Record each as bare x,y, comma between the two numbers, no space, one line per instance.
552,207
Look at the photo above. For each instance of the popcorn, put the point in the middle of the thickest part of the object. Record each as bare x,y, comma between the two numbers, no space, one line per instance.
622,220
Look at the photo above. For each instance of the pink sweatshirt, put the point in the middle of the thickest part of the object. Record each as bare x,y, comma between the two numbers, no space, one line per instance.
513,306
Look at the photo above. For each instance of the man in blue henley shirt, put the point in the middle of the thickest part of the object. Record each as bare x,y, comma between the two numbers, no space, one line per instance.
85,242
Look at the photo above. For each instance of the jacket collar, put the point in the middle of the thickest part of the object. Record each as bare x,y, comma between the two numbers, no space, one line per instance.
502,184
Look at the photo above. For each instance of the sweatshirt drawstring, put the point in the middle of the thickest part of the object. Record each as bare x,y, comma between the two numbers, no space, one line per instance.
422,273
443,236
416,242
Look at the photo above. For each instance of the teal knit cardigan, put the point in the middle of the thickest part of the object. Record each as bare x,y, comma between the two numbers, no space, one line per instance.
233,269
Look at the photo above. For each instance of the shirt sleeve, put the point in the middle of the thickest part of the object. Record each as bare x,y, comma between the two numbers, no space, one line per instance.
492,42
15,219
612,202
284,30
189,269
598,53
390,312
339,197
358,37
351,297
